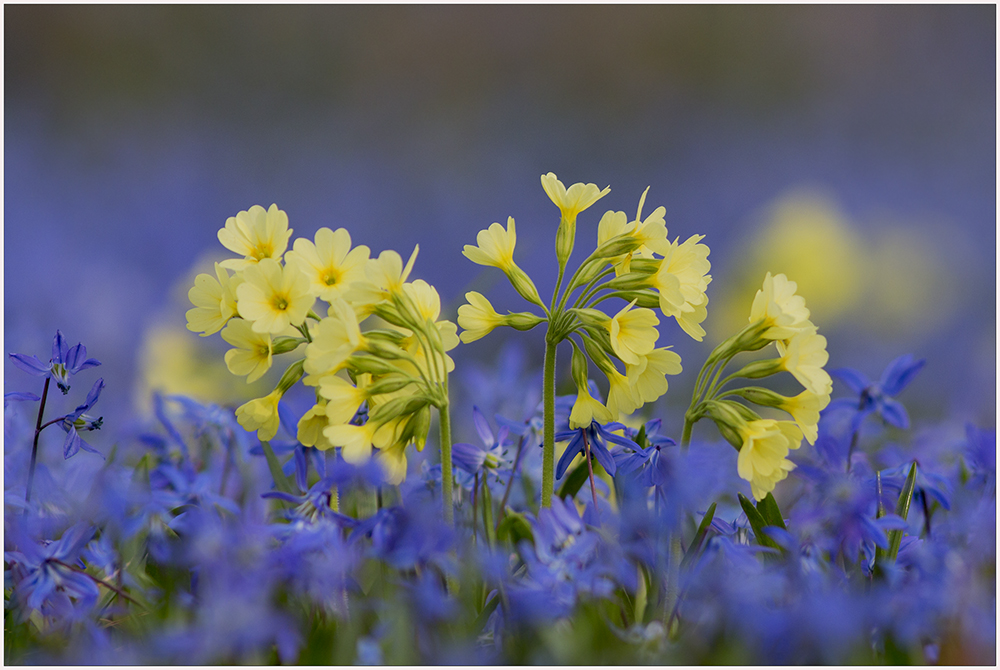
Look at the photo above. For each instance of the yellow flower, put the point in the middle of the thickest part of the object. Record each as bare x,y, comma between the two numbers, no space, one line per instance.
651,231
477,318
261,415
214,299
274,297
586,409
805,409
681,281
310,429
356,442
782,311
762,459
804,355
574,200
344,397
252,355
649,380
393,462
334,338
622,398
633,333
255,234
330,263
496,246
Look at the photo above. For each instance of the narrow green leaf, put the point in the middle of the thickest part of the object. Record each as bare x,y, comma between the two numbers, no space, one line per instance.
768,508
485,614
757,522
281,482
902,509
699,538
514,528
639,611
575,481
488,515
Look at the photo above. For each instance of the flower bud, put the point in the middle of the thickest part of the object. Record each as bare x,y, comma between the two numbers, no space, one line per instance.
617,246
763,397
523,320
759,369
283,344
292,374
565,239
522,284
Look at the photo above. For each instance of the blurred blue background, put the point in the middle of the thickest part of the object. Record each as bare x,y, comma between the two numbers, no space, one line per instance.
852,148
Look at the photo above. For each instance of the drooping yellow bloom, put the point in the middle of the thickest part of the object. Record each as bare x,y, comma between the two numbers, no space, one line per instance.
651,231
782,311
804,355
633,332
574,200
335,337
255,234
330,263
586,409
393,462
649,380
681,281
622,398
355,442
309,432
261,414
477,318
274,297
344,397
252,355
805,409
495,246
214,300
762,460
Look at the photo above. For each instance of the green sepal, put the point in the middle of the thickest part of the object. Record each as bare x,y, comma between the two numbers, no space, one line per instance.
575,481
699,538
758,524
281,482
484,616
768,508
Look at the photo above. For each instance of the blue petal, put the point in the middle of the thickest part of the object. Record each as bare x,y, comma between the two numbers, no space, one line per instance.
72,443
59,348
18,395
30,364
572,449
900,373
894,413
851,378
482,427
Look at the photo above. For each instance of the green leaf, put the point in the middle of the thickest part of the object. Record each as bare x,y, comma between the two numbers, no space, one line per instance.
902,509
514,528
699,538
758,523
768,508
641,596
575,481
281,482
485,614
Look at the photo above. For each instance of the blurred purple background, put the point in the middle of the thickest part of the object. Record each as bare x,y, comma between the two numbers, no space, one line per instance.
132,133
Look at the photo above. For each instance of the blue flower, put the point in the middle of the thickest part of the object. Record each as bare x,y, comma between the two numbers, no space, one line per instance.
474,459
65,362
598,437
77,421
878,396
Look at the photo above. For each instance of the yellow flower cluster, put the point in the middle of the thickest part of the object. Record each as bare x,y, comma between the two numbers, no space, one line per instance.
267,307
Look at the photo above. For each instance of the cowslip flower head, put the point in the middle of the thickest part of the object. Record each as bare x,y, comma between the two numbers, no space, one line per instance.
495,246
649,379
330,263
214,300
334,338
782,312
762,460
587,409
651,232
633,333
253,353
261,414
255,234
477,318
804,355
384,276
573,200
66,361
682,280
309,430
805,409
274,297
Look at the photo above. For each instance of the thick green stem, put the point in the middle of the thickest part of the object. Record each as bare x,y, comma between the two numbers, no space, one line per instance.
447,479
686,435
549,420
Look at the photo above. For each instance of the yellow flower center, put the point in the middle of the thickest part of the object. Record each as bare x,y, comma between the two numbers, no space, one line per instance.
330,276
263,250
280,303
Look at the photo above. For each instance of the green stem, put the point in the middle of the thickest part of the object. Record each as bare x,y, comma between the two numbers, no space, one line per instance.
34,444
447,481
686,435
549,420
